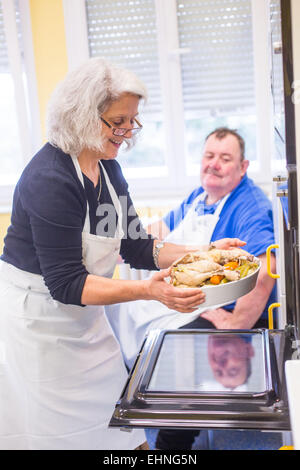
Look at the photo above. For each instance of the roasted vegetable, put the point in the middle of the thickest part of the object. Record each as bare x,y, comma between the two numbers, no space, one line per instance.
216,279
212,267
231,265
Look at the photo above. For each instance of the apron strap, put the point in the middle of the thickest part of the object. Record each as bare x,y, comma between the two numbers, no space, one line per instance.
87,225
116,202
220,206
113,195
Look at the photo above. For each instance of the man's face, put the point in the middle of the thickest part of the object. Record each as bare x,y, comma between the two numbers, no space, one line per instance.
228,357
221,166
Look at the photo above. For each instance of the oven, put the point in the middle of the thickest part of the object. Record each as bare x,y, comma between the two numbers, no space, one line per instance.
182,379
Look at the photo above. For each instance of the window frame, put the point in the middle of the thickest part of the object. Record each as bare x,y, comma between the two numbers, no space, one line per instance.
178,183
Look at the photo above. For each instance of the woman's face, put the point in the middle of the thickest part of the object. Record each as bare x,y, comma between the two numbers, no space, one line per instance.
121,113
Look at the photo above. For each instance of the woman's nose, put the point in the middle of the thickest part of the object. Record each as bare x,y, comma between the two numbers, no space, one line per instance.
128,134
129,125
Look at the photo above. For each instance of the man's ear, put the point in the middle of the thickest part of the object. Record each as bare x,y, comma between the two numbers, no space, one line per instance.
244,166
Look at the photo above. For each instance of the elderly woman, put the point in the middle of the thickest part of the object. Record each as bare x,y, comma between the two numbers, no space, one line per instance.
63,370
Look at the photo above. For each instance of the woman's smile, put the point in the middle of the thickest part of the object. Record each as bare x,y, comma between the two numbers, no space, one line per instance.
116,143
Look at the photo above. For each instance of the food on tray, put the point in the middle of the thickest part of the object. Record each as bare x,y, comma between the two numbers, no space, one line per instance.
212,267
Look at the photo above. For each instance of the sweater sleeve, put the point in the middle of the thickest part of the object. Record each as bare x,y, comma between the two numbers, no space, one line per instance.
54,204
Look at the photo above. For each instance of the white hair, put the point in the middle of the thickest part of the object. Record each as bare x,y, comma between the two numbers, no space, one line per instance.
73,114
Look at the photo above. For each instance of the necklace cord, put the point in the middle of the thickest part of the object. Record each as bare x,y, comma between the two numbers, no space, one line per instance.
100,184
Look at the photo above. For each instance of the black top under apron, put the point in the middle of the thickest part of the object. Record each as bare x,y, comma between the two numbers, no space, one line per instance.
48,215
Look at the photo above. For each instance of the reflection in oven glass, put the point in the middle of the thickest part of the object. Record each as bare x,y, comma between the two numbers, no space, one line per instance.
210,363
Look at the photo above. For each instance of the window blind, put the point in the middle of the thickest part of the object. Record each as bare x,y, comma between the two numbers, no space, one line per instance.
3,45
4,63
218,70
124,31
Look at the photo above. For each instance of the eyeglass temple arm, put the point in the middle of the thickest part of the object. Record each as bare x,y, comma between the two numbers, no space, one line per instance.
105,122
138,122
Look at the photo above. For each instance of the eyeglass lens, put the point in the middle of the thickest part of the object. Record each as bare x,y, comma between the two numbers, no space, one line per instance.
122,131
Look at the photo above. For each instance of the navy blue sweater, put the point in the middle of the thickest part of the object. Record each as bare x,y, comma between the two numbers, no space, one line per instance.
49,209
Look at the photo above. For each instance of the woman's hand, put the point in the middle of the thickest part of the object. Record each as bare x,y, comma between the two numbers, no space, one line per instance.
171,251
175,298
228,243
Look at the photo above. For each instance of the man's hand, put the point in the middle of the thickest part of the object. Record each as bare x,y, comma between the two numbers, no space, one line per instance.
228,243
222,319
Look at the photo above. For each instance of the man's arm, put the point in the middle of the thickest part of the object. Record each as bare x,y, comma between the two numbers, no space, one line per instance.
248,308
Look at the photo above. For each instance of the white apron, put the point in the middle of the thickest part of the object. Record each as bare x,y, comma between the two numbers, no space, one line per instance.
61,369
196,229
132,320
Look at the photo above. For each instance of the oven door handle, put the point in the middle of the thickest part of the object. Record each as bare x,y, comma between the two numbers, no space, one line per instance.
270,315
273,276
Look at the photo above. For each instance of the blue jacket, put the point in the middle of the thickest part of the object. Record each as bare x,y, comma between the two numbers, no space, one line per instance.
247,215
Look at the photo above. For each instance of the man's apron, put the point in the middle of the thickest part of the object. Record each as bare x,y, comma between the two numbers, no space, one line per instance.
61,369
196,229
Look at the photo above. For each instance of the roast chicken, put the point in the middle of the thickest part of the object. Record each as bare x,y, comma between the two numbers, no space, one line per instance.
212,267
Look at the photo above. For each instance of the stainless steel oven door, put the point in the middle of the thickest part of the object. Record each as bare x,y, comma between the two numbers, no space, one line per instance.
207,379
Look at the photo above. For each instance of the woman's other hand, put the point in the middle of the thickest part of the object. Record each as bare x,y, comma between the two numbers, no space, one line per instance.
183,300
228,243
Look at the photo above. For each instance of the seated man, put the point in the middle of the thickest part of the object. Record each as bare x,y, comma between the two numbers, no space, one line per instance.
227,204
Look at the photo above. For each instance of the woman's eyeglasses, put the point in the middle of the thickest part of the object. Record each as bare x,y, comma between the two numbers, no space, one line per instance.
121,131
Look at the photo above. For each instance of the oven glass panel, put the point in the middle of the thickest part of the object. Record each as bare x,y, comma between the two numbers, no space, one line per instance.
233,363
